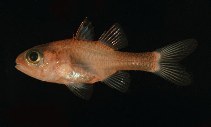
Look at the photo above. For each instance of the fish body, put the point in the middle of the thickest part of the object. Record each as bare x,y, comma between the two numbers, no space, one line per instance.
80,62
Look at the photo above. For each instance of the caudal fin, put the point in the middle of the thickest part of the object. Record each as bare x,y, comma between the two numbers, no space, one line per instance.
170,55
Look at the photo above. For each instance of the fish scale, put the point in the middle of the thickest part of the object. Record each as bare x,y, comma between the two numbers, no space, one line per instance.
80,62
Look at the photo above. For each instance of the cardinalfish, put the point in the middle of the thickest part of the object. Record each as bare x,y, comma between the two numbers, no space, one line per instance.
80,62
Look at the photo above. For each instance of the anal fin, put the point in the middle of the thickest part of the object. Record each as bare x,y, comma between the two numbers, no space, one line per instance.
119,81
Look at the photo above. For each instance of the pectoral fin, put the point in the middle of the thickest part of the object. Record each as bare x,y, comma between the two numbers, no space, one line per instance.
83,91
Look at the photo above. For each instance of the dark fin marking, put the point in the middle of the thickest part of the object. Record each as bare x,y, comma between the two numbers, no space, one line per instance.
119,81
81,90
114,37
168,68
85,31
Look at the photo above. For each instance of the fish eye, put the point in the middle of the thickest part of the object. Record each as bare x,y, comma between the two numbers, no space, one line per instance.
33,56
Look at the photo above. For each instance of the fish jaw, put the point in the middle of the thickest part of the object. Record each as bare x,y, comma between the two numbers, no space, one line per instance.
22,69
20,63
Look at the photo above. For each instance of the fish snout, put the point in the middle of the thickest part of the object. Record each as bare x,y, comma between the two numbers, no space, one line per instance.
19,62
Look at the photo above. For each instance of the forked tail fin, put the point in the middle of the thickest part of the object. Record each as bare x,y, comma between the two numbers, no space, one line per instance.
170,55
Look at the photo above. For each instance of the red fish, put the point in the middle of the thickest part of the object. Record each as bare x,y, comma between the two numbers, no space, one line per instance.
79,62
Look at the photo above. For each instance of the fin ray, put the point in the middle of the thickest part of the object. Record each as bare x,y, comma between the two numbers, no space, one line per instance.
119,81
177,51
83,91
169,69
114,37
85,31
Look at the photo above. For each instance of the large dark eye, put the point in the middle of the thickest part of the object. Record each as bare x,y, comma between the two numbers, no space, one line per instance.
33,56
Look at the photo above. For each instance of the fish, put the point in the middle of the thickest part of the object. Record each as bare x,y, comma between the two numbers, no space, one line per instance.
81,61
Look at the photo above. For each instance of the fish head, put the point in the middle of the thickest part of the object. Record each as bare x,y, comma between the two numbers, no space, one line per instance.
37,62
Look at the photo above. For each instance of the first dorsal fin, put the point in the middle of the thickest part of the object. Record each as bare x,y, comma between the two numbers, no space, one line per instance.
85,31
114,37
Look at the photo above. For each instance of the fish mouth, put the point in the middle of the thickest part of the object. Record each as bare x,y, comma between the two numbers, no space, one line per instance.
18,67
18,62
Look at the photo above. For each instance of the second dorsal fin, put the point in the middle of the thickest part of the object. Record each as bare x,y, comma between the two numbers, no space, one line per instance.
114,37
85,31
